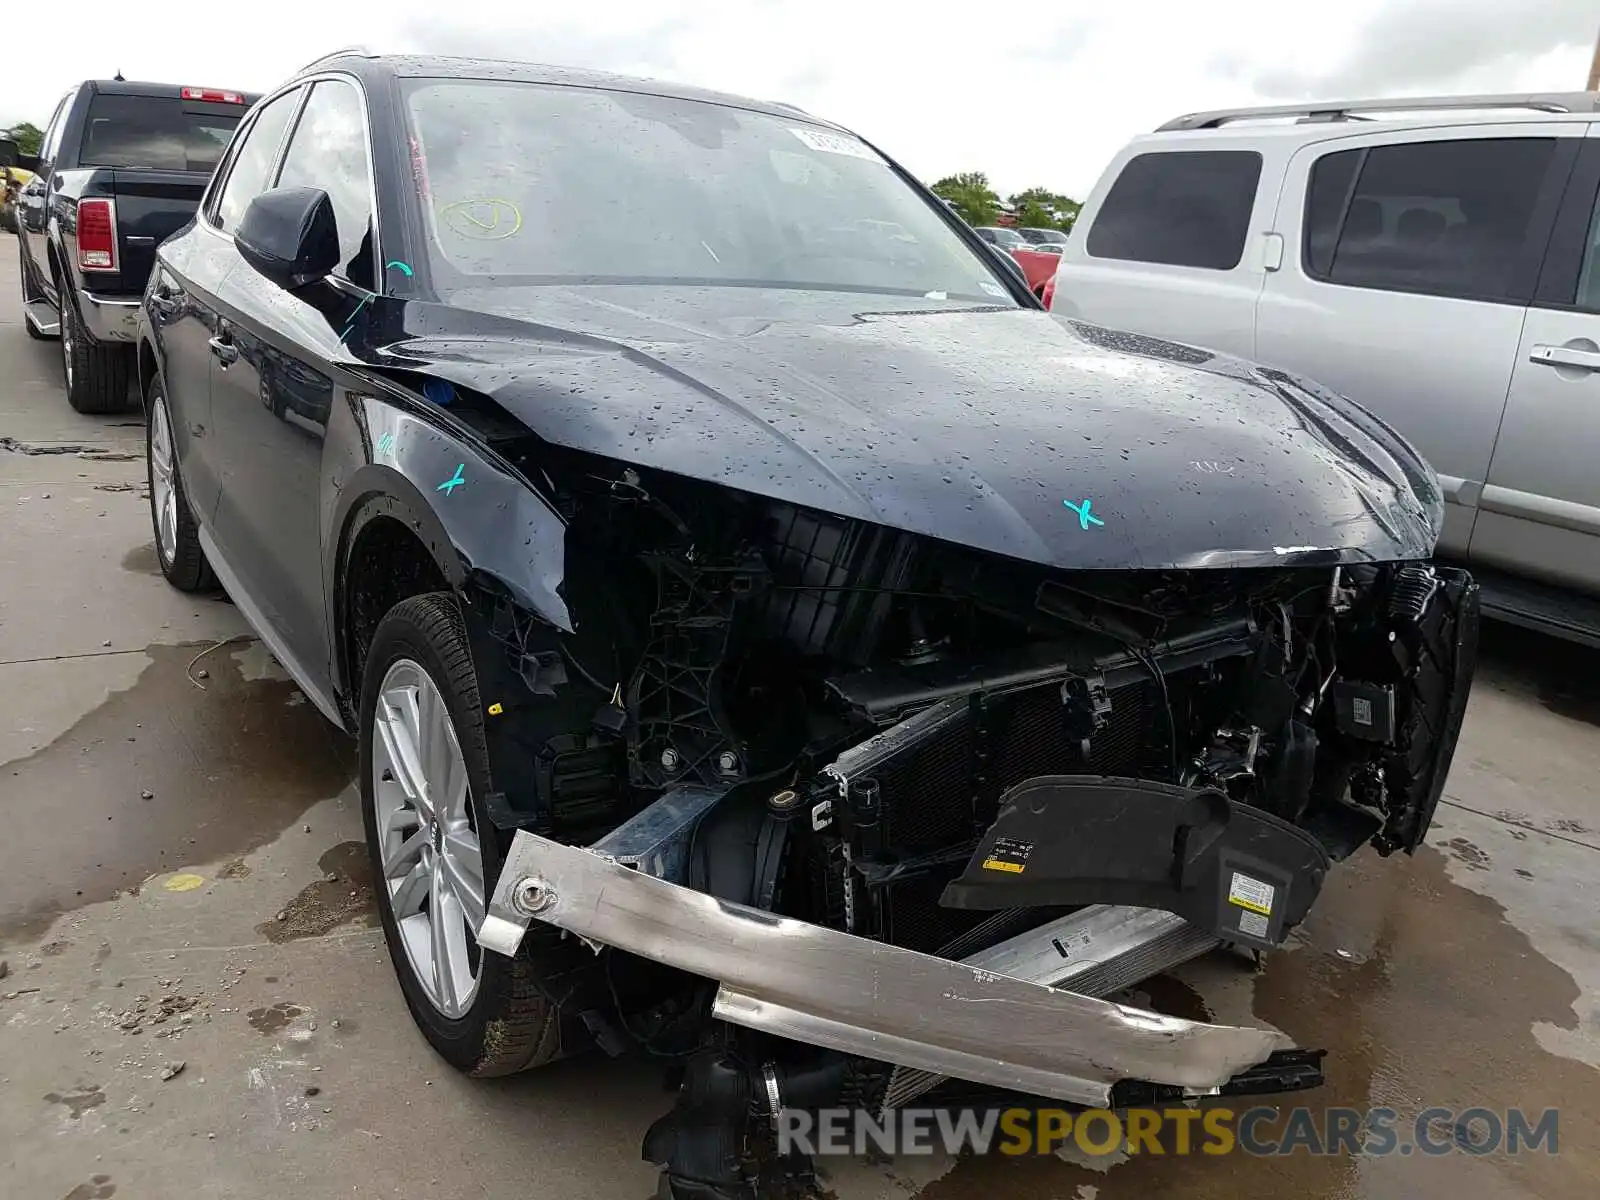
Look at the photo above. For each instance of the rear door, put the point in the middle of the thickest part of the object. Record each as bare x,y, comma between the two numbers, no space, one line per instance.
1410,258
32,204
1540,510
182,299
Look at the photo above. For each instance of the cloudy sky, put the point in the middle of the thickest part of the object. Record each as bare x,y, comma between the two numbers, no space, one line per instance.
1038,99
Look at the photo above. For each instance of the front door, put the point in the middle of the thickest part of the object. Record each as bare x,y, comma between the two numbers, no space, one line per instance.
1540,510
274,384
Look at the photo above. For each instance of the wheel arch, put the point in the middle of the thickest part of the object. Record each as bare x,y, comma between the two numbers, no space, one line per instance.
398,529
148,366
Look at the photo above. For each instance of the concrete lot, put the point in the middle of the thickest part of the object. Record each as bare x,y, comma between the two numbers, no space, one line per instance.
181,883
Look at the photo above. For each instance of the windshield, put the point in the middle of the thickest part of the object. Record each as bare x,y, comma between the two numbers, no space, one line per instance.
536,184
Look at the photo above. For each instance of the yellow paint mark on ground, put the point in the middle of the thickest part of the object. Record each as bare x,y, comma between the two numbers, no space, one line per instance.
182,883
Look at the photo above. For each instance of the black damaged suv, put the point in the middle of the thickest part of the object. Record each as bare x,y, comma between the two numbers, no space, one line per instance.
845,649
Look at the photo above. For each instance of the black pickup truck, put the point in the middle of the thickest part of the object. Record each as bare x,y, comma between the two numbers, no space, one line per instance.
122,166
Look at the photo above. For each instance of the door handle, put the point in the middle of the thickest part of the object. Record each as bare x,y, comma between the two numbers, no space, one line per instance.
226,352
1566,356
165,305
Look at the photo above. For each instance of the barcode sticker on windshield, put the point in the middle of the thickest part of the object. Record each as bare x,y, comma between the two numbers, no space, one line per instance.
834,143
1251,894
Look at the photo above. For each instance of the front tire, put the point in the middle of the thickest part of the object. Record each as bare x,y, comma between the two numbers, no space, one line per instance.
435,855
178,550
97,373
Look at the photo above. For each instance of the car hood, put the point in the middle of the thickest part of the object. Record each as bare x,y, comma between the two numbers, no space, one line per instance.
1007,430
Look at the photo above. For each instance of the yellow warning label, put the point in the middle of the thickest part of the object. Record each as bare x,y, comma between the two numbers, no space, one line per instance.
995,864
1254,895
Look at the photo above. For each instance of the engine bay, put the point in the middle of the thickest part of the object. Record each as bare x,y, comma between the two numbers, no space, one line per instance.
939,751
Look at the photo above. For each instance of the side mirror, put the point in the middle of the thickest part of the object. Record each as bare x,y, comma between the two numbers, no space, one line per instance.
289,235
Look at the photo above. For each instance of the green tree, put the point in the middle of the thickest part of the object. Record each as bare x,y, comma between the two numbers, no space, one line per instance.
971,196
1040,208
27,136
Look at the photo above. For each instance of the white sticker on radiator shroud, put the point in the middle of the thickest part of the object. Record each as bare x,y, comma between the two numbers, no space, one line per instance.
1253,924
1252,894
835,143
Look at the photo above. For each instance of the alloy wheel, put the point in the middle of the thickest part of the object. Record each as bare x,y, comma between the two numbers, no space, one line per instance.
163,492
66,342
432,862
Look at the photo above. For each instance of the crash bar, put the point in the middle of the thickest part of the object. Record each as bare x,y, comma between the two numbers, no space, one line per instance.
820,985
1338,110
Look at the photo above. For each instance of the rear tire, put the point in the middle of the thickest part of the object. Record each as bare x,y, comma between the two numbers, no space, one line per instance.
177,535
492,1018
97,373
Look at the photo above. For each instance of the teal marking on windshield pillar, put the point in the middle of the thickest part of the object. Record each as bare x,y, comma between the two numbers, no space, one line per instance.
455,481
1085,517
352,323
397,265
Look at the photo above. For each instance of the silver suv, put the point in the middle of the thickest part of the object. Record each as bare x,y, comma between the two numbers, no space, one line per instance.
1433,259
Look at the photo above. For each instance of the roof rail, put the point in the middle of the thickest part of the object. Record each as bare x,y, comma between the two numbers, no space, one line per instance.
358,49
1342,110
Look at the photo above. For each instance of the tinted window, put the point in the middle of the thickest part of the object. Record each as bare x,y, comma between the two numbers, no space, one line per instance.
533,184
1188,208
328,150
159,132
51,142
254,160
1446,218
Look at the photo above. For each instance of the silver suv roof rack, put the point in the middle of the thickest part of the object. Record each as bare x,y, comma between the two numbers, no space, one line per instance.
1344,110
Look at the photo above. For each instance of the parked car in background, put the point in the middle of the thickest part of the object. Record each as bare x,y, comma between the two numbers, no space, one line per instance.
122,166
999,235
1436,260
12,180
1035,236
1038,265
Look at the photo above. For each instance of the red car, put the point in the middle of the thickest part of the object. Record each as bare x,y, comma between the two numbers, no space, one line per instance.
1038,267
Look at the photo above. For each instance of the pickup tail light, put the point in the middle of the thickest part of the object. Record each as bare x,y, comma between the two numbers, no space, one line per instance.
97,235
211,94
1048,293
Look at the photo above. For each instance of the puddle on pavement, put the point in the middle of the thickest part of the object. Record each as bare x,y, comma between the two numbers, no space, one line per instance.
343,894
1435,1005
273,1017
226,769
142,560
79,1100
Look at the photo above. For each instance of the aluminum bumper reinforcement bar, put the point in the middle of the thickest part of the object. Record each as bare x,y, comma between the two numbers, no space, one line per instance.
862,997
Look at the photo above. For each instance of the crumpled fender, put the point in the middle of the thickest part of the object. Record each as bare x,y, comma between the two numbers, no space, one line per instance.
477,516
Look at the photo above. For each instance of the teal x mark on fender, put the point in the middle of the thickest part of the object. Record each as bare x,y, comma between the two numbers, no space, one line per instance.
1085,517
455,481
